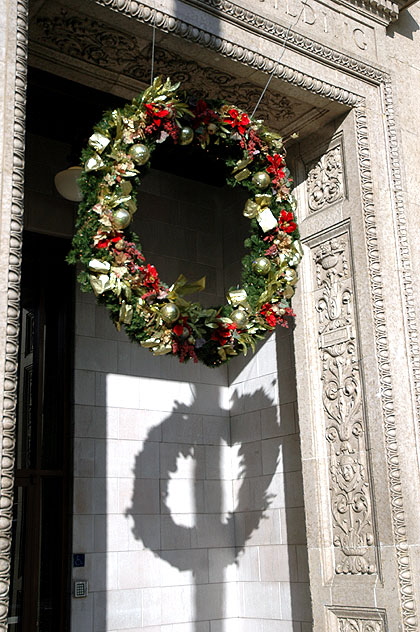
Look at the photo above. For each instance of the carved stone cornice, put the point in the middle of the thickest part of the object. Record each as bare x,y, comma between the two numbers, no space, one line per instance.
385,9
276,32
254,59
95,42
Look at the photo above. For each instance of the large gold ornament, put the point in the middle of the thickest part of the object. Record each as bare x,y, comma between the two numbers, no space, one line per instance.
140,153
261,265
186,136
261,179
170,313
240,318
121,218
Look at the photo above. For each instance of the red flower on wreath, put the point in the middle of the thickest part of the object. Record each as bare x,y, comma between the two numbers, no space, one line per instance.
275,168
203,114
253,144
286,221
178,329
150,279
156,113
106,243
274,315
184,350
237,120
223,333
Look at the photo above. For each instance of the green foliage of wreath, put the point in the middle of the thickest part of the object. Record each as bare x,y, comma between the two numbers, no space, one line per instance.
154,314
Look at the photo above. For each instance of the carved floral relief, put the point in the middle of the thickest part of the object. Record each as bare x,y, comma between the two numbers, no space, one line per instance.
360,625
325,182
350,488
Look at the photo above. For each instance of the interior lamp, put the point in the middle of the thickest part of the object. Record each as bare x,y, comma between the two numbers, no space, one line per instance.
67,185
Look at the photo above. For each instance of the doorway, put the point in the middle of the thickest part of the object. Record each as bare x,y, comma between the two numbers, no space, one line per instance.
42,511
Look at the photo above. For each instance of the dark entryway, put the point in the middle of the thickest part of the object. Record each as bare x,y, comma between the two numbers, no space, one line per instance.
42,511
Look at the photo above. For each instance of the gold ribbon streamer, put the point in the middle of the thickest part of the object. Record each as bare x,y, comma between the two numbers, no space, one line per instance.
126,313
181,287
100,284
240,172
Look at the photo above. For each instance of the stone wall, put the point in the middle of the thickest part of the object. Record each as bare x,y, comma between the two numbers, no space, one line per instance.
187,493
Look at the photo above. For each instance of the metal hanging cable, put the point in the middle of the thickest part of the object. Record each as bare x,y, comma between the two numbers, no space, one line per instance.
278,61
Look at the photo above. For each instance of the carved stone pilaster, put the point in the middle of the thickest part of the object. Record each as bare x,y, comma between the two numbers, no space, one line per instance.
342,396
14,87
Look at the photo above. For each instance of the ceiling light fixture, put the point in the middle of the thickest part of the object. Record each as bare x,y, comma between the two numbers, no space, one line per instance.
66,183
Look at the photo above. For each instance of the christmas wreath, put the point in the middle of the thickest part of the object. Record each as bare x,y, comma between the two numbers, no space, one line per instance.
157,315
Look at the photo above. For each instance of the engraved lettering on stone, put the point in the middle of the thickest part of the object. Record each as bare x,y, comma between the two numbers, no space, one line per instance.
360,625
324,183
359,38
343,410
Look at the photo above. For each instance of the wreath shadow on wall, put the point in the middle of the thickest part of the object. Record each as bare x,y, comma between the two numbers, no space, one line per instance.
211,530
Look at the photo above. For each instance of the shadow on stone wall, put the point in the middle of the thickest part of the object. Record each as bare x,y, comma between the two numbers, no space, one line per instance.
180,545
216,538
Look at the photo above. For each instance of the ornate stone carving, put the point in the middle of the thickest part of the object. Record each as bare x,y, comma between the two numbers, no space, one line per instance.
383,8
253,59
274,31
360,625
11,343
324,180
343,409
98,43
406,591
405,266
348,619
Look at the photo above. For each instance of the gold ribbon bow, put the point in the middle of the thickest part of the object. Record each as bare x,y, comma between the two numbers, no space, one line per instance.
99,142
94,163
238,298
259,208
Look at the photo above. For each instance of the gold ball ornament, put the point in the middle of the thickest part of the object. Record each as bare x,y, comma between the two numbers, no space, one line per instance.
261,179
139,153
186,135
170,313
261,266
121,218
240,318
211,128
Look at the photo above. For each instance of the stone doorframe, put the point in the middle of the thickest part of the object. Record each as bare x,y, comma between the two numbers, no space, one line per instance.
357,590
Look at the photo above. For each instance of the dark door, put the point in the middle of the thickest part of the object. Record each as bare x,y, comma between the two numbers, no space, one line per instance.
39,598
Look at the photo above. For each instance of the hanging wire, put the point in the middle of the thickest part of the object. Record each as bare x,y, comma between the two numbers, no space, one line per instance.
152,70
278,60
